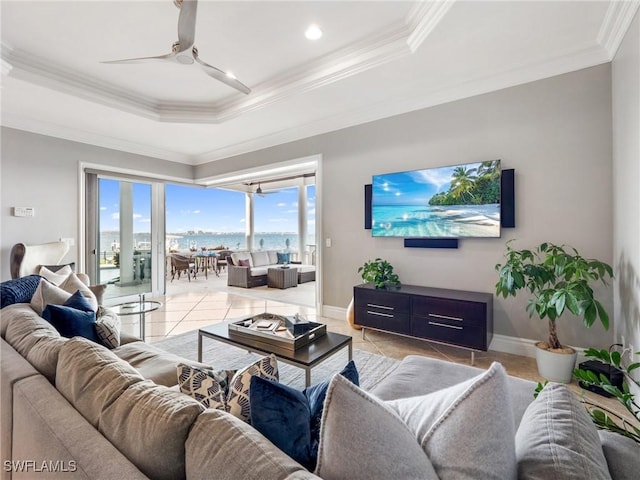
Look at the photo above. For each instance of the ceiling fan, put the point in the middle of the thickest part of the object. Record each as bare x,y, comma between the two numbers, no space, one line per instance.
184,51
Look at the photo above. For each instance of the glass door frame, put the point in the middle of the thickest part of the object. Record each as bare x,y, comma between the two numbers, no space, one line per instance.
89,205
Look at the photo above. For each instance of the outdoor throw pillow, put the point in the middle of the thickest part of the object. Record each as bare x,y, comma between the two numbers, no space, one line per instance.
290,418
108,327
284,258
209,386
18,290
244,263
557,439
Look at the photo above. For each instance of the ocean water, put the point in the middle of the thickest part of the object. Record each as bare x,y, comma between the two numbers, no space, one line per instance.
436,221
233,241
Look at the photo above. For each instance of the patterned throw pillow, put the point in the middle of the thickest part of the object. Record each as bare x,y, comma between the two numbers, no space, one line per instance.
108,327
19,290
226,390
209,387
238,399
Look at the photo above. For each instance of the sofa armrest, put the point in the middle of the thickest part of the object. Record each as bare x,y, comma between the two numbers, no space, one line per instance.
128,338
238,276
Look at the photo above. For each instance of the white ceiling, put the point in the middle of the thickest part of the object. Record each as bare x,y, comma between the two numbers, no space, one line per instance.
375,59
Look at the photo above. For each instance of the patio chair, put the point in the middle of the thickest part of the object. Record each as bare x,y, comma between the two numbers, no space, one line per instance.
182,264
221,260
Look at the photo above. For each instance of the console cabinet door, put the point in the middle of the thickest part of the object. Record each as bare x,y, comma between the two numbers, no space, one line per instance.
383,310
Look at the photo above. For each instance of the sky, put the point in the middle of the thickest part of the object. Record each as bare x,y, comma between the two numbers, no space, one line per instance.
412,188
206,209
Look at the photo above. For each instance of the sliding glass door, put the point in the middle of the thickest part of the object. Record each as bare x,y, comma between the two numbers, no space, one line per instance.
124,223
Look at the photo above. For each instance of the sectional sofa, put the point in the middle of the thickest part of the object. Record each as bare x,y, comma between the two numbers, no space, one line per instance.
254,274
86,412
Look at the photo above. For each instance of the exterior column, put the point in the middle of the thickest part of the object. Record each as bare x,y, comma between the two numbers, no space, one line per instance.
249,220
302,223
126,233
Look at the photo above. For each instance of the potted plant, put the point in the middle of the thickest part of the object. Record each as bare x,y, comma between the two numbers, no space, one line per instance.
379,272
558,279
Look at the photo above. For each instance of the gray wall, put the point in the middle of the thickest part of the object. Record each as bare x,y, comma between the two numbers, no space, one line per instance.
556,133
626,148
43,172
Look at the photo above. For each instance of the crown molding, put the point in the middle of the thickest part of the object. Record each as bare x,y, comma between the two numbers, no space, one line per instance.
95,139
423,19
397,41
509,76
615,24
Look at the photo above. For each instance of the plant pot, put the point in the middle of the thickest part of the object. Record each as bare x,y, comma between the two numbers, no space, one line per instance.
555,366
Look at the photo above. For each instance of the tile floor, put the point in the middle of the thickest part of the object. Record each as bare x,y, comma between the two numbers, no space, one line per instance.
190,308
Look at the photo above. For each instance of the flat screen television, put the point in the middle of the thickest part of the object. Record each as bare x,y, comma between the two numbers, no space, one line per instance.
456,201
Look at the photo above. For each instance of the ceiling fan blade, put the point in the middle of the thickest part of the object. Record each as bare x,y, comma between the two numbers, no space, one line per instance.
222,76
143,59
187,25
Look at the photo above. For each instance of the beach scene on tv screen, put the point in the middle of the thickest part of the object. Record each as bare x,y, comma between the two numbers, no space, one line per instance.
445,202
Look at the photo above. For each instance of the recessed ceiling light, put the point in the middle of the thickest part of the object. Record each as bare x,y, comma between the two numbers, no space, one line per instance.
313,32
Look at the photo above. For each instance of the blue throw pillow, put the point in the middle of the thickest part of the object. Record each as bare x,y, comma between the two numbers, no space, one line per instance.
18,290
284,258
70,322
290,419
79,302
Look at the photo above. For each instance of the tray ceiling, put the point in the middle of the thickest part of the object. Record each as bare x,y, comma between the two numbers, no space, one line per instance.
375,59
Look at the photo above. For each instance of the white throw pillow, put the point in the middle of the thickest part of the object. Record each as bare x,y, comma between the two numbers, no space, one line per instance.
72,284
55,277
46,294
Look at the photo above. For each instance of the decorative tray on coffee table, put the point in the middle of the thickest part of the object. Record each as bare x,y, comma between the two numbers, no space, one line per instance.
288,332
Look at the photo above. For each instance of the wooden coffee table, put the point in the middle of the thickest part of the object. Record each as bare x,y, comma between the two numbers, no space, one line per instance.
306,357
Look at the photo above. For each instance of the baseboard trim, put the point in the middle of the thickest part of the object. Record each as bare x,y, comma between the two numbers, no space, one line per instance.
334,312
522,346
500,343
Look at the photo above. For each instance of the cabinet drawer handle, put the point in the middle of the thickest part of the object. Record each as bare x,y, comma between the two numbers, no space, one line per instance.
446,317
373,305
380,314
438,324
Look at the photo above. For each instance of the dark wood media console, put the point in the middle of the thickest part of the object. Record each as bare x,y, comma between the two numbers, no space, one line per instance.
453,317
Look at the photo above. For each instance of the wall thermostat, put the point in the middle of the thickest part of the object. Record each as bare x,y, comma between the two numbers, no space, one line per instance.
24,212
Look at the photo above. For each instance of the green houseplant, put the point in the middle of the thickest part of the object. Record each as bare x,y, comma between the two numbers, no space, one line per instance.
379,272
558,279
604,418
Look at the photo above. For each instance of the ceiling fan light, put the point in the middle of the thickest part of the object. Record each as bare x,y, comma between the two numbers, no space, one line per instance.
313,32
231,75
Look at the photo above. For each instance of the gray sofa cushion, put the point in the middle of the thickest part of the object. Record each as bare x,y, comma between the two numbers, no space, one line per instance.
25,328
149,423
44,356
557,439
622,455
48,429
91,377
223,447
153,363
